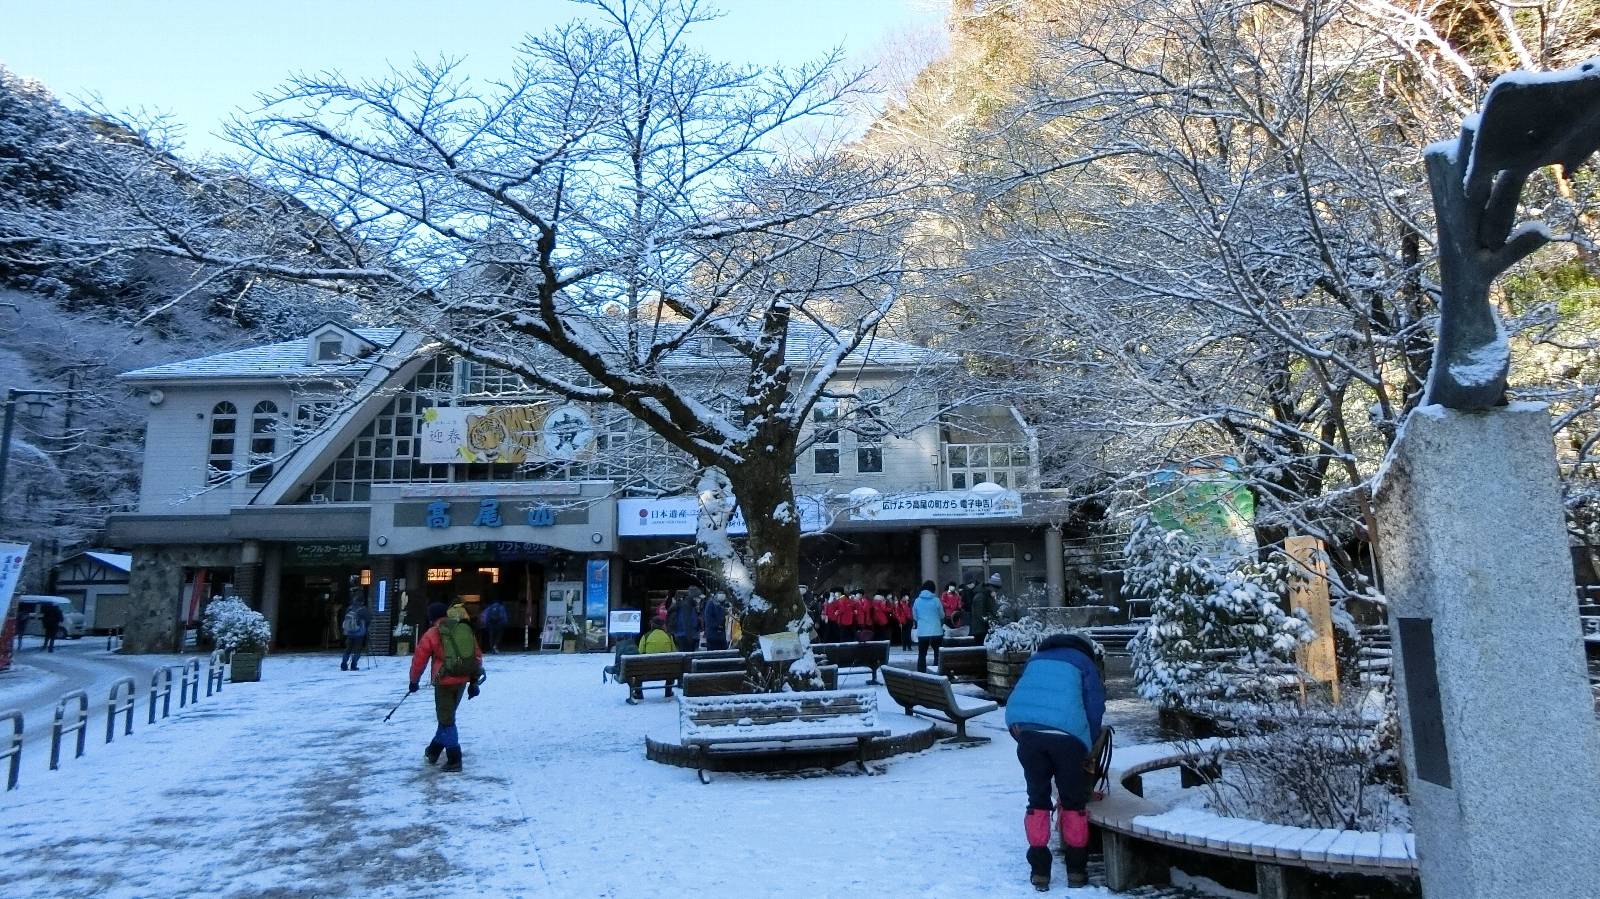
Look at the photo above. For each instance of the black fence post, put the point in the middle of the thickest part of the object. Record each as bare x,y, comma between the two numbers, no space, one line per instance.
81,726
112,710
14,751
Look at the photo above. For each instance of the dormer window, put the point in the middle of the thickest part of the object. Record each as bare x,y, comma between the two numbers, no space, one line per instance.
330,348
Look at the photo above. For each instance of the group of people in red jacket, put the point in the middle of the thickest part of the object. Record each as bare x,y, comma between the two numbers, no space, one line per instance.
854,615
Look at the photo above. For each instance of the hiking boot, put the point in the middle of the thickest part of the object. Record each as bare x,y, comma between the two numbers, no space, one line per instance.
343,667
452,759
1077,878
1039,867
432,753
353,667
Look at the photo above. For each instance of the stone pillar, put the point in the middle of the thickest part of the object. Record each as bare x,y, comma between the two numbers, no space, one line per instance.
1500,739
154,587
928,570
271,582
247,574
380,635
1055,567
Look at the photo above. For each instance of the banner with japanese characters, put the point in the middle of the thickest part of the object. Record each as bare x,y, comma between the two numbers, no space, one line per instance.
505,434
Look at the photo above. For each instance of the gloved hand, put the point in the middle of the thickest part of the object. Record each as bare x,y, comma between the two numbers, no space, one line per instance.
472,691
414,687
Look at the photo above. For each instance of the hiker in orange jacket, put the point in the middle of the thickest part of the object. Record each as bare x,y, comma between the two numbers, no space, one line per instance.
449,644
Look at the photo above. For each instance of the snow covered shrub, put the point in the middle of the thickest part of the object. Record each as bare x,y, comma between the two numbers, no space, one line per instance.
234,626
1318,765
1214,633
1025,635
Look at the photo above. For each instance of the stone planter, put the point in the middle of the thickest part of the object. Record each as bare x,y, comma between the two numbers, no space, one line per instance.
402,646
245,667
569,644
1005,669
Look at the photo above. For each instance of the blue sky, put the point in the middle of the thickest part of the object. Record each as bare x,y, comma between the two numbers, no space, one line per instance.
198,60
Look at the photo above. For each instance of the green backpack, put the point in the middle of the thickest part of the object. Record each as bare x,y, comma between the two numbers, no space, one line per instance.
460,649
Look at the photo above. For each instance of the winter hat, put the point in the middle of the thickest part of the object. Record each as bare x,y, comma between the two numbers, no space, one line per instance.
435,611
994,579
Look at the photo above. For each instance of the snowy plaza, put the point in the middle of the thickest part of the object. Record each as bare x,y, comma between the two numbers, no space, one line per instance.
295,786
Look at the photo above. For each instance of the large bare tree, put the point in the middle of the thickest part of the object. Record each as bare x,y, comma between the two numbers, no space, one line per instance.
614,202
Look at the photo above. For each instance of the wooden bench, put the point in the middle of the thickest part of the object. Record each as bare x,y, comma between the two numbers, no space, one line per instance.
769,723
1134,832
856,657
637,670
931,691
733,683
713,654
704,666
960,642
965,664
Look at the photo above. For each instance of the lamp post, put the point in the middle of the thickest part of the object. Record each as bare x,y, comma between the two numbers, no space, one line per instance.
36,406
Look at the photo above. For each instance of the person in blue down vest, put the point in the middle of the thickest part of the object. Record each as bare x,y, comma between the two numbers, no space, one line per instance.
1054,713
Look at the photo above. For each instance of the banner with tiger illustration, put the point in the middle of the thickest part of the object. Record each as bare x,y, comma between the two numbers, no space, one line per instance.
505,434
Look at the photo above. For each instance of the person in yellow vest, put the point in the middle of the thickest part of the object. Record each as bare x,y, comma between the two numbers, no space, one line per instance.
657,640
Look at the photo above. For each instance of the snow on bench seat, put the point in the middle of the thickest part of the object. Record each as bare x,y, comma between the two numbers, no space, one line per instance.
1329,850
756,717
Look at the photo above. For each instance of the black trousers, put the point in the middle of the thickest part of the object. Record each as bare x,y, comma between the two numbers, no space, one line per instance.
1048,755
922,651
352,650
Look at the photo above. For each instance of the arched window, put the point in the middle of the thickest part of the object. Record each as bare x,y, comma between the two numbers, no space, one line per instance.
224,430
263,441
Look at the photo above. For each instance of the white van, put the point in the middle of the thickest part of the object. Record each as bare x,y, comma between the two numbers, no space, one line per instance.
29,611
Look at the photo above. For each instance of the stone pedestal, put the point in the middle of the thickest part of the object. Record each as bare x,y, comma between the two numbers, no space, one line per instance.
1501,748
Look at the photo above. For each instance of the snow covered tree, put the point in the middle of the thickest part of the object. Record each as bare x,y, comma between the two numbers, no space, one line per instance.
1215,633
617,199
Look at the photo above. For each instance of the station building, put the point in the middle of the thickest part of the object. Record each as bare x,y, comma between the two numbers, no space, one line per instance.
301,473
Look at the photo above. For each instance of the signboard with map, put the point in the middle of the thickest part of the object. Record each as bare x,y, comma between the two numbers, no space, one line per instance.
1209,501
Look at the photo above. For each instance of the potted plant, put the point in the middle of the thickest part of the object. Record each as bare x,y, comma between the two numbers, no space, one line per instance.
569,636
1010,645
241,633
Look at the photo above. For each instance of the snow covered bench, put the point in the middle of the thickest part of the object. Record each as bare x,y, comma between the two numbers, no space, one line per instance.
769,723
1129,824
855,657
732,683
965,664
932,692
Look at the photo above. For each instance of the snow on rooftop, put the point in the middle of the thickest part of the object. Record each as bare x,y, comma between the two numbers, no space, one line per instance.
272,361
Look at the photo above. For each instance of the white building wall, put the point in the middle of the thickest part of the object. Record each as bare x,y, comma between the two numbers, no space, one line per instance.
177,440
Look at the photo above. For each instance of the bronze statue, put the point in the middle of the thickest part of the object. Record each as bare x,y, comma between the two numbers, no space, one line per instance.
1529,120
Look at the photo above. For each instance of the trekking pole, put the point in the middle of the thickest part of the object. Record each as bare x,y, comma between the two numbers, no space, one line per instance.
396,707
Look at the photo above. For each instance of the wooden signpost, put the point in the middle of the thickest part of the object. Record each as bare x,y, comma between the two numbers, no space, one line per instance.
1308,590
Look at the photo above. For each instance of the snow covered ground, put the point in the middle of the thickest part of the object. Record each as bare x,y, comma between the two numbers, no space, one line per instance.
295,786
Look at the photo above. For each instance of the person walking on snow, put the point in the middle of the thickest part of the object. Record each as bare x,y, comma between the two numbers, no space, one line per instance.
929,617
1054,714
457,667
50,618
357,619
494,623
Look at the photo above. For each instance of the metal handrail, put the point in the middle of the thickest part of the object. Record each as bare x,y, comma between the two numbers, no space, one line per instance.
126,707
80,727
189,685
216,672
157,688
114,635
14,751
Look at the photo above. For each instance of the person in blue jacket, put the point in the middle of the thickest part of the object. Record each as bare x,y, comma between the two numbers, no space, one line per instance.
1054,713
928,617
